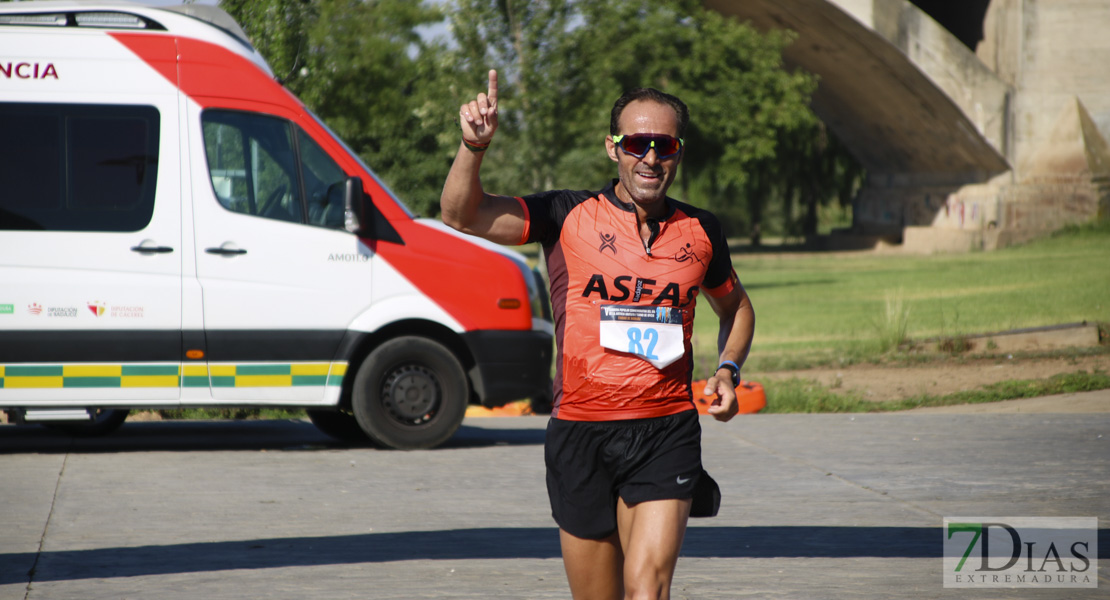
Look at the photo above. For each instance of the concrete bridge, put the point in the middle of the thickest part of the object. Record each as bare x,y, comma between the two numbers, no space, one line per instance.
984,129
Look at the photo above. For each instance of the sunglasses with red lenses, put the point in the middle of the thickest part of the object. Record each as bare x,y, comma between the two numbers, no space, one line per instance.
638,144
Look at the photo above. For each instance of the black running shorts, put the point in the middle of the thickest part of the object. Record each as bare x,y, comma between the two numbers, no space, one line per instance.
591,463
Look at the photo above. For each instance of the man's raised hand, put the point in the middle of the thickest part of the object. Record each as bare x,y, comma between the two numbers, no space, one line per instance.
478,118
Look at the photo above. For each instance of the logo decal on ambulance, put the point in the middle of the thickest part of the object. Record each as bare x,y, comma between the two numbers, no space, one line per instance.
67,312
97,308
348,258
28,70
127,312
34,308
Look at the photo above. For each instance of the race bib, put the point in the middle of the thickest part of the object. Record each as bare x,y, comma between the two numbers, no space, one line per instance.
654,333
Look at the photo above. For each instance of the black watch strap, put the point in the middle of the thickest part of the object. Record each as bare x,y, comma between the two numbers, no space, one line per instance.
733,368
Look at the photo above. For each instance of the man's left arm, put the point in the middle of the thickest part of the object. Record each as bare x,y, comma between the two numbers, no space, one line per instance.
734,341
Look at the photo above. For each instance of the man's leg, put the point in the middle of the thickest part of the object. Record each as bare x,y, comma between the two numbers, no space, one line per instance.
593,567
651,534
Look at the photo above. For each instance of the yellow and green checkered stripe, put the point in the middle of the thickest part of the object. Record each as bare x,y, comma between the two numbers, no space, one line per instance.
276,375
163,376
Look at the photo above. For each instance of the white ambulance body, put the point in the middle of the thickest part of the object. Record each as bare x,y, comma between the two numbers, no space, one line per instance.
176,229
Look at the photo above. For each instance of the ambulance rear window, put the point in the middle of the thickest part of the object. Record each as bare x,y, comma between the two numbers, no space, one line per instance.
77,167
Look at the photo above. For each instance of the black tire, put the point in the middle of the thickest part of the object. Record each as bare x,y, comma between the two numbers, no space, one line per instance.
105,421
410,393
338,424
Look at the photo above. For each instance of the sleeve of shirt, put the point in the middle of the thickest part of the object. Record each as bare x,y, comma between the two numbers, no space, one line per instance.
544,214
720,278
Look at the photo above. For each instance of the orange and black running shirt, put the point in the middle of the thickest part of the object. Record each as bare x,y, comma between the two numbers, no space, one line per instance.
610,287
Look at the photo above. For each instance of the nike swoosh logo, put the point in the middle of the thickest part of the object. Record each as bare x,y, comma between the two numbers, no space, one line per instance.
682,481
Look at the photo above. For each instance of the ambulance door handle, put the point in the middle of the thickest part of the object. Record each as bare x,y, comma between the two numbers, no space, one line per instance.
225,251
150,247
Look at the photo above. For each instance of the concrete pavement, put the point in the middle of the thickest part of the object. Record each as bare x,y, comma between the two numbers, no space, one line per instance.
815,506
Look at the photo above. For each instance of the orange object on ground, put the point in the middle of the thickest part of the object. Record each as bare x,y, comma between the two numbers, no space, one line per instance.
512,409
749,395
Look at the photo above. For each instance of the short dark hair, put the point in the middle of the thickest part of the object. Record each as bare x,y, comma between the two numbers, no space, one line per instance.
653,95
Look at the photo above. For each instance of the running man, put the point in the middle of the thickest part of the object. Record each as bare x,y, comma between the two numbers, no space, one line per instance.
623,447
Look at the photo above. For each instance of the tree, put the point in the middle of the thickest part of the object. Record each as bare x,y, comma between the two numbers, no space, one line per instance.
363,68
278,29
393,96
527,41
566,62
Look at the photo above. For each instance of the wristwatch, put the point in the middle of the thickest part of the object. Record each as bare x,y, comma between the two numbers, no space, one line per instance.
733,368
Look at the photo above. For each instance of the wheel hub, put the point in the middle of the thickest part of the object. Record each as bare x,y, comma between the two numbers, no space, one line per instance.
411,394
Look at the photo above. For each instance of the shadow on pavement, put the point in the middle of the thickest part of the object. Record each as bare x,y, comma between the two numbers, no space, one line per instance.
469,436
463,544
276,434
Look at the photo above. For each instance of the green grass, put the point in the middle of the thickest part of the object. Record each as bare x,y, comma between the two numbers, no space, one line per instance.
235,414
803,396
845,308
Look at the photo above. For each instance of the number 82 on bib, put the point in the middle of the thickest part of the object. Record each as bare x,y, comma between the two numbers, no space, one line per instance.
653,333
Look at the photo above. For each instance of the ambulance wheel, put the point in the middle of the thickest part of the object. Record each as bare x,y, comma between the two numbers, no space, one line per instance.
104,421
337,424
410,393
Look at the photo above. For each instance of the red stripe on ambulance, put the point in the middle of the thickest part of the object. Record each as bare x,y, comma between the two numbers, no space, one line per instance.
442,266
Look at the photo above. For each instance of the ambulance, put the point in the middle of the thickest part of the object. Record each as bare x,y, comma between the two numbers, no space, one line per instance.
179,230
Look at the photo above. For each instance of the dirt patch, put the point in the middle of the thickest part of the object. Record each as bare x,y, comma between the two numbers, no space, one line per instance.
880,383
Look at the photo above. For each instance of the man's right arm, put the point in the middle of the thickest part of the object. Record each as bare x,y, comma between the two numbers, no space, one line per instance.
464,205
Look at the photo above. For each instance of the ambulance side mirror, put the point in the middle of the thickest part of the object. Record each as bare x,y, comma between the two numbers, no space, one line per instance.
354,209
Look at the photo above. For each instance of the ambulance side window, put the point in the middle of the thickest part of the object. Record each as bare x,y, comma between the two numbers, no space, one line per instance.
77,167
252,164
323,182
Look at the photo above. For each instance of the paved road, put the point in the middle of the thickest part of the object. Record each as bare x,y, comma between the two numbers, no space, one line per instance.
815,506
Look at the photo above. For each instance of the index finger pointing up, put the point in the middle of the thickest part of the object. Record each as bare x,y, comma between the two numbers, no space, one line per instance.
492,93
